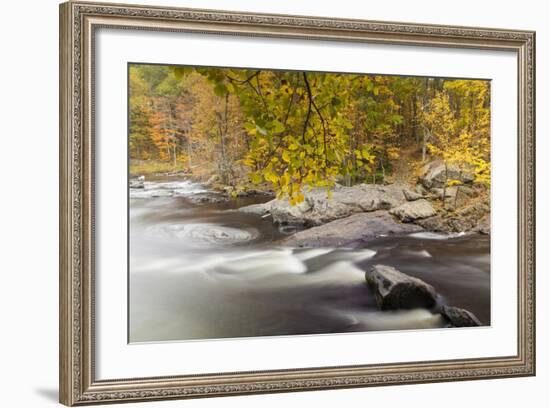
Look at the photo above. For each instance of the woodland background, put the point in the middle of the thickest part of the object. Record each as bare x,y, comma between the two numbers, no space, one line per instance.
291,129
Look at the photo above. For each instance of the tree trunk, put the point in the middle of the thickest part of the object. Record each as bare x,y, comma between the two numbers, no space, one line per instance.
445,185
189,152
172,133
424,141
223,134
414,121
347,180
425,136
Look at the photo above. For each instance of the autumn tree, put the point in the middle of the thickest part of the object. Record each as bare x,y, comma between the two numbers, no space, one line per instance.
457,120
307,129
217,128
141,143
298,130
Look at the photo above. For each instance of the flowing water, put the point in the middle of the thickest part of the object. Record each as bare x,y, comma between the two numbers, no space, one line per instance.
208,271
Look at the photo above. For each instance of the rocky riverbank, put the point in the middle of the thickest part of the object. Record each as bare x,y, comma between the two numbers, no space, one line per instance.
363,212
366,211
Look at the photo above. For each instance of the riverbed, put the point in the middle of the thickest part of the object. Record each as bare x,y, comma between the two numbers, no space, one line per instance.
207,271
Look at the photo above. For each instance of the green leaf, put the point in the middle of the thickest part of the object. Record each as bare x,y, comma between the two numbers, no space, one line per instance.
220,89
256,178
278,127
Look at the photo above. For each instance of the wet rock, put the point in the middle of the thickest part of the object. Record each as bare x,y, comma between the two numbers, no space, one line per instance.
413,210
257,209
252,193
137,182
350,231
411,195
207,198
436,175
396,290
458,317
318,209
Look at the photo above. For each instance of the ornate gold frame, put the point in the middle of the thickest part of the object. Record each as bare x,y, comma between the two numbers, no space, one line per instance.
78,21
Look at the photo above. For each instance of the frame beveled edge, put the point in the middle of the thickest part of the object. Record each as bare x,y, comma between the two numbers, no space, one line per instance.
76,377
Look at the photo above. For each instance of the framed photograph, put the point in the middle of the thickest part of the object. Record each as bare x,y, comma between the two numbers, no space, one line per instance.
256,203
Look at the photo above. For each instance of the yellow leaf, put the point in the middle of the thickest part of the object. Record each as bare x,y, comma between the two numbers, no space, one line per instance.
286,156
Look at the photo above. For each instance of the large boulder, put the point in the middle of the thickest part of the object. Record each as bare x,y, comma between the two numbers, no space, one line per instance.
396,290
458,317
436,174
350,231
414,210
317,208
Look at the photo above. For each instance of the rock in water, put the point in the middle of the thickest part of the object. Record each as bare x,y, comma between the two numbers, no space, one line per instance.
349,231
257,209
396,290
413,210
207,198
460,317
138,182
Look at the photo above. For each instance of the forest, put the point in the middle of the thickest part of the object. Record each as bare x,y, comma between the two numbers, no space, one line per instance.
290,131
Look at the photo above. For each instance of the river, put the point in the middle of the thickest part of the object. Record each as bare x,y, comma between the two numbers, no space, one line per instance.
205,271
